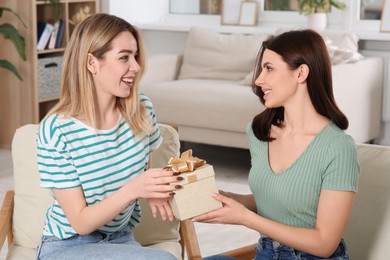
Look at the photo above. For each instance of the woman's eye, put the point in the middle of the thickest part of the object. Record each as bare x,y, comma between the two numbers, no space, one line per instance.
268,68
125,58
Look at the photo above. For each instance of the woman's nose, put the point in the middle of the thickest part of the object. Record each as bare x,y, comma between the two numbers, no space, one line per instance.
134,66
259,80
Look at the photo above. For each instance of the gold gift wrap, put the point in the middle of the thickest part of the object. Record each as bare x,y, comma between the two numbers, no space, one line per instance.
198,186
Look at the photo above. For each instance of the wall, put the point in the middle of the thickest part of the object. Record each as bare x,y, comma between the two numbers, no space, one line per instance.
136,11
164,34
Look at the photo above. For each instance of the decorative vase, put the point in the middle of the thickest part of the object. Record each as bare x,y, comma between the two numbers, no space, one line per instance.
317,21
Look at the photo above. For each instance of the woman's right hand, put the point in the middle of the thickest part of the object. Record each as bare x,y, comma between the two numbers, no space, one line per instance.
155,183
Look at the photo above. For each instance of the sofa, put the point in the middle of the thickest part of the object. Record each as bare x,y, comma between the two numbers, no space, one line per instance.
206,90
25,207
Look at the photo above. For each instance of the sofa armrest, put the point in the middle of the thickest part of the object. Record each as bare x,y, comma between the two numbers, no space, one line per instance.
6,213
162,68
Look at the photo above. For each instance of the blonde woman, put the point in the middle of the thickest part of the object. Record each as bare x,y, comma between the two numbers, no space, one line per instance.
94,148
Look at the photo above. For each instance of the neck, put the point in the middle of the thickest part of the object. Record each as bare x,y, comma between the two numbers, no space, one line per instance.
107,113
300,117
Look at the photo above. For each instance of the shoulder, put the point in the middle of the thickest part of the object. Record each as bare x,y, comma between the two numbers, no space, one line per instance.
249,129
145,101
50,128
255,145
340,142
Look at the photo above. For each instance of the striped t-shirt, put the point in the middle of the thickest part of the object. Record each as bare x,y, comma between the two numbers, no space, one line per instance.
291,197
73,154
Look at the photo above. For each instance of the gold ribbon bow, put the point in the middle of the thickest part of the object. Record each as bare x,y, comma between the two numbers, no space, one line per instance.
185,163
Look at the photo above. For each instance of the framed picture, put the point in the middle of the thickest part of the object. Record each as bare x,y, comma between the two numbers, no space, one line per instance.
210,6
249,11
230,12
385,20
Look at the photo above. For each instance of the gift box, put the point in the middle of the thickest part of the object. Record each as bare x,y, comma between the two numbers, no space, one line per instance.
198,185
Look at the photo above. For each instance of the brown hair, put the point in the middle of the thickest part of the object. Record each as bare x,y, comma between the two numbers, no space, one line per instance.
94,35
296,48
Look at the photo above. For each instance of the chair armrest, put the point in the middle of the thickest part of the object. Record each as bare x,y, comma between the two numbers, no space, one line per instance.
189,240
162,68
6,213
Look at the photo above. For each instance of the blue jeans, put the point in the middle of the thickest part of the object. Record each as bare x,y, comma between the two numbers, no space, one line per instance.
120,245
272,250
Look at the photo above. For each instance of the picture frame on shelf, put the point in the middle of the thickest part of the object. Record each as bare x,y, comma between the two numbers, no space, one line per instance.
230,12
385,17
249,13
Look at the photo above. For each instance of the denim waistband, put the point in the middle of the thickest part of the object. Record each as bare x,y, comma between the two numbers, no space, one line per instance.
269,243
274,247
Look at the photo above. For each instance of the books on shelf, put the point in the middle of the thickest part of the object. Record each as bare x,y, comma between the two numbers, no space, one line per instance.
53,35
50,35
40,28
44,39
60,34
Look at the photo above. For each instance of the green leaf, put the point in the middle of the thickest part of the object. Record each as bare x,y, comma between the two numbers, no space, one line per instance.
338,4
2,9
10,32
9,66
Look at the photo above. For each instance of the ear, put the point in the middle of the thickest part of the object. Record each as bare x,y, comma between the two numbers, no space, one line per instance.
302,73
91,63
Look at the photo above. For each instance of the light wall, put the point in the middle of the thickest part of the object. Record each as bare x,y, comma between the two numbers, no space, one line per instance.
136,11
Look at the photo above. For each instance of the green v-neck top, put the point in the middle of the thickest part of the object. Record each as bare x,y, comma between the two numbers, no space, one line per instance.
291,197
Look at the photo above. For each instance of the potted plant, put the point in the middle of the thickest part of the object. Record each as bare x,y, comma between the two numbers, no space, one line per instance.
10,32
316,11
57,8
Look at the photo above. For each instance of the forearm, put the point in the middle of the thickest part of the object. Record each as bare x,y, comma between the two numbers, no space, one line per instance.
309,240
247,200
87,218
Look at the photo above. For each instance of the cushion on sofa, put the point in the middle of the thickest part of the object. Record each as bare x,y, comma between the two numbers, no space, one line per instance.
149,231
342,47
368,231
212,55
31,201
183,102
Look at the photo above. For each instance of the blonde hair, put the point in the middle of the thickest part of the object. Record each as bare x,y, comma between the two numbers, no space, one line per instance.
77,97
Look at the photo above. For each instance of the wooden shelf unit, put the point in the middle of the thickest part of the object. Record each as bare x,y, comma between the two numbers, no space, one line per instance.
19,102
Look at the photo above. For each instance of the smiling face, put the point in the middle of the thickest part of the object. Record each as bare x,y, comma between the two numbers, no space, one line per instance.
114,74
277,81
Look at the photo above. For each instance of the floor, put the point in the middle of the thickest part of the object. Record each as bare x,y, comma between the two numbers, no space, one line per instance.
231,168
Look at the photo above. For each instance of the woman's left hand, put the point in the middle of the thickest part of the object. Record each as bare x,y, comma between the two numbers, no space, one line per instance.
163,206
232,212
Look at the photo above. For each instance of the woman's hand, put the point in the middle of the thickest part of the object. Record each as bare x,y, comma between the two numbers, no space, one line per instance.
231,213
163,206
155,183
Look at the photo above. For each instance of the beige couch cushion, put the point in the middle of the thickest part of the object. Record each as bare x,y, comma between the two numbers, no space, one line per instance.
183,102
212,55
343,47
31,201
368,231
158,233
